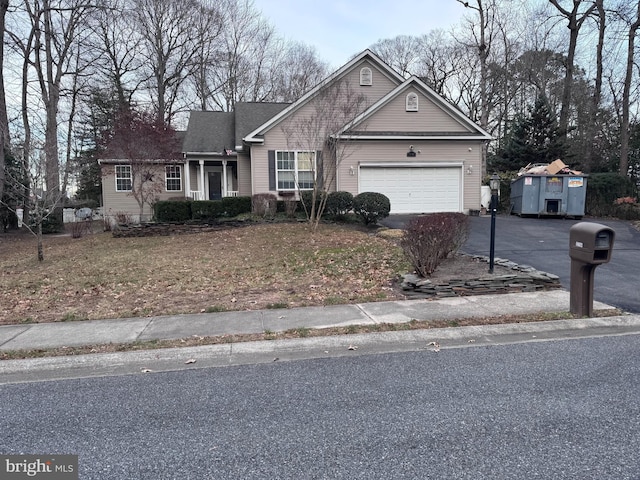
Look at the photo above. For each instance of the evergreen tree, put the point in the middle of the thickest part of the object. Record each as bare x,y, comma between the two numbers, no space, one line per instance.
534,138
103,108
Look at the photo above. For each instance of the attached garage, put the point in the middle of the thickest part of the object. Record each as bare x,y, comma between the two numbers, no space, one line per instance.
415,188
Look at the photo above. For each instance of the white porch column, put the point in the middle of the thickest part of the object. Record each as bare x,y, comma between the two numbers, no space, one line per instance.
187,179
224,178
201,172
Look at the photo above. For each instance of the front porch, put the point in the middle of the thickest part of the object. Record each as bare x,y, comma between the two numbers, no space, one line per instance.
211,179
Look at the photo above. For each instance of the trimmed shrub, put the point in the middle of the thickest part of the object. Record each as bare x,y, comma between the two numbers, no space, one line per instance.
206,211
371,206
602,191
339,203
178,211
306,197
234,206
264,204
429,239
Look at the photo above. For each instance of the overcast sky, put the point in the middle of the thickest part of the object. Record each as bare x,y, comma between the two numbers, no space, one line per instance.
339,29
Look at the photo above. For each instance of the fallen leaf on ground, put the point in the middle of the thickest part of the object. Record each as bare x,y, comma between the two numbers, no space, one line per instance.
191,360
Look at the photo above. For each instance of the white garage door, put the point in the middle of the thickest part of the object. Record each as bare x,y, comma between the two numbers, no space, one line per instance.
415,189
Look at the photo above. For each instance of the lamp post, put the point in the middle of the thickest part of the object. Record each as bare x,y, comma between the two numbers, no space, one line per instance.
494,184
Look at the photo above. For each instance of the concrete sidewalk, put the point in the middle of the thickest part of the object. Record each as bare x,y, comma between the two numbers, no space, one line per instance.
83,333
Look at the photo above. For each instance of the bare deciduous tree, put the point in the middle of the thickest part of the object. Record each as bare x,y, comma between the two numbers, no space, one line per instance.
575,18
401,53
634,25
55,26
4,122
168,49
315,132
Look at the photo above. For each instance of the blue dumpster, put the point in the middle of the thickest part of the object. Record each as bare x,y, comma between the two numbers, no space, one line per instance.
549,195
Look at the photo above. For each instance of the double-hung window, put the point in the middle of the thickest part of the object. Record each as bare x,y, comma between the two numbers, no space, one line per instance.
123,178
295,170
173,178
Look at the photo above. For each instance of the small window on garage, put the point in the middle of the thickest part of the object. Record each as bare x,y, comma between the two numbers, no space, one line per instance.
366,76
412,102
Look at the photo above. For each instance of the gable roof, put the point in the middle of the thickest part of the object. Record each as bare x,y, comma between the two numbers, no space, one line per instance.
250,115
215,132
209,132
255,135
475,132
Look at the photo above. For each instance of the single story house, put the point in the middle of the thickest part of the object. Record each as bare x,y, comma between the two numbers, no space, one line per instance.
363,129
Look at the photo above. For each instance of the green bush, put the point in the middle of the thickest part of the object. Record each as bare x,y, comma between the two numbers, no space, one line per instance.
178,211
206,211
306,197
602,191
53,223
234,206
371,206
339,203
429,239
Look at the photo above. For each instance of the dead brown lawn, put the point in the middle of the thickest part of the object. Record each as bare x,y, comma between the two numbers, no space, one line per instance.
255,267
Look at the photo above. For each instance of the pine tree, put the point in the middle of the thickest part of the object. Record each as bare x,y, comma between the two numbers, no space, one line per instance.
534,138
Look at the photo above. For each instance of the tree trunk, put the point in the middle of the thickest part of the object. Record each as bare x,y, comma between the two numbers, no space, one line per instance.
597,90
624,127
574,25
40,247
4,122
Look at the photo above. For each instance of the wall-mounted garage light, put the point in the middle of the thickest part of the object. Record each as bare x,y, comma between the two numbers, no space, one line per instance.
469,169
352,171
411,152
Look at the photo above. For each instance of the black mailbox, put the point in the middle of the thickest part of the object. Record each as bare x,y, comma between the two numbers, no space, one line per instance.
591,243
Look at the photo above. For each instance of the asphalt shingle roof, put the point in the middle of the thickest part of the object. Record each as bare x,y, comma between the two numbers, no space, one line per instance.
250,115
212,132
209,132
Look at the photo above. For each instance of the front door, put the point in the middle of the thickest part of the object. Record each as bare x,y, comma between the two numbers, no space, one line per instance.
215,185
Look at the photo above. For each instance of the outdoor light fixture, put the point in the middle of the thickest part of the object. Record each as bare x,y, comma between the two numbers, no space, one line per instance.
352,171
411,152
494,185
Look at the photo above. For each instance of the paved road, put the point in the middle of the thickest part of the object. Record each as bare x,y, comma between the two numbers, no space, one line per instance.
562,409
544,244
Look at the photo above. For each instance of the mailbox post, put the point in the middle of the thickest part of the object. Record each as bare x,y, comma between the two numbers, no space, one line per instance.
590,245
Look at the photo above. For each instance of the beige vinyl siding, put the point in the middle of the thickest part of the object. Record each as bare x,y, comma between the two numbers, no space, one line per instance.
430,152
113,201
276,139
116,202
244,175
428,118
381,83
260,166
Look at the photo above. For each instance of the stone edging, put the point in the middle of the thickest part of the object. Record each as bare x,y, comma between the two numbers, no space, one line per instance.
524,279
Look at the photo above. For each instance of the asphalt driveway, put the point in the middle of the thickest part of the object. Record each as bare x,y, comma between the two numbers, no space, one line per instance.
544,244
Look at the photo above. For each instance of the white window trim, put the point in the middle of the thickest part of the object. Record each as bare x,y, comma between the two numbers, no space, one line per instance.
410,99
296,170
116,177
366,76
167,178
